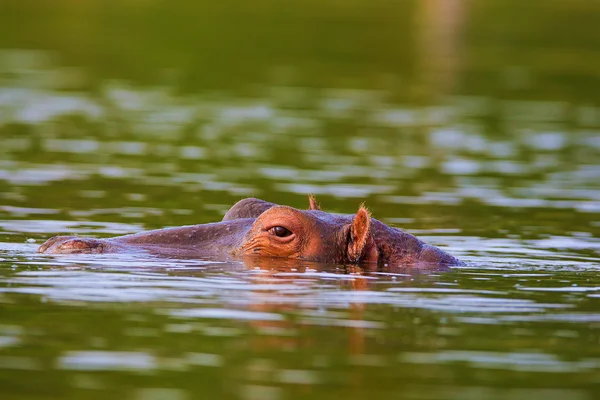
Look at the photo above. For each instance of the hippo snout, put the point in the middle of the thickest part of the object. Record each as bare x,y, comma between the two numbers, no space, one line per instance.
70,245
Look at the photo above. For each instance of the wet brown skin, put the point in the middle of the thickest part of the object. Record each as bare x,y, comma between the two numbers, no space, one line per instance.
254,227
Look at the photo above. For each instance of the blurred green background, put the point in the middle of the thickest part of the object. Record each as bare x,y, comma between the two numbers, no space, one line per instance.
414,50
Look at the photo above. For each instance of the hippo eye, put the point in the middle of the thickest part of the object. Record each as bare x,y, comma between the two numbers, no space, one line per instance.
279,231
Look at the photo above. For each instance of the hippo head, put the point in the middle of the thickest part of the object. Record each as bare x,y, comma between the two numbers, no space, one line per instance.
254,227
314,235
311,235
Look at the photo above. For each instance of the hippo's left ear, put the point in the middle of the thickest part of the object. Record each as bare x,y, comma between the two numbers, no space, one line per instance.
361,246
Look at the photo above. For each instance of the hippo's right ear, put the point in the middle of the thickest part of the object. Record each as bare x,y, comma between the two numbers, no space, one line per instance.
312,202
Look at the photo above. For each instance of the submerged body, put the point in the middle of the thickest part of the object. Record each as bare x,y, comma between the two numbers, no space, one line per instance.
254,227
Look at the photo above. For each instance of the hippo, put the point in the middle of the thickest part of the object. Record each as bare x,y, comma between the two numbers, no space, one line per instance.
257,228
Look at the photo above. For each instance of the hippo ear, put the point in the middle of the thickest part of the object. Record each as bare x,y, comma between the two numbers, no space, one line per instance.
360,243
312,201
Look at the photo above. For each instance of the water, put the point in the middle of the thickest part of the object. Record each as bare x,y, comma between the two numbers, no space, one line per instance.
474,126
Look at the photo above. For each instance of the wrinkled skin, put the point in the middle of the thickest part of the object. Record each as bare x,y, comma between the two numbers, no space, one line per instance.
254,227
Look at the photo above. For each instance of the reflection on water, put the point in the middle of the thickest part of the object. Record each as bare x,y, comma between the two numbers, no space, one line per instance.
240,328
474,125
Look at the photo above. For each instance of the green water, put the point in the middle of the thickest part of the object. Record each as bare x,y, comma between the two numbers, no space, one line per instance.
473,125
